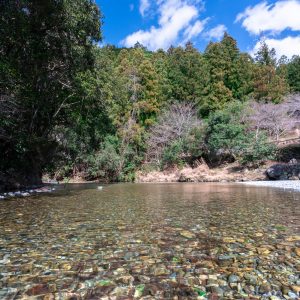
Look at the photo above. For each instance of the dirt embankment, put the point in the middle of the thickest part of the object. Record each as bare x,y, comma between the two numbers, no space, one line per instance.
228,173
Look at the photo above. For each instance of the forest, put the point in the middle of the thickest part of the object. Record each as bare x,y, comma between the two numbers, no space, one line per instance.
69,107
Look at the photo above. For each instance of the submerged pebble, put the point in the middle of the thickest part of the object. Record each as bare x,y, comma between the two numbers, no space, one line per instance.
151,242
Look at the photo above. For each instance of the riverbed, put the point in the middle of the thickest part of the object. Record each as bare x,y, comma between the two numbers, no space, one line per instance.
152,241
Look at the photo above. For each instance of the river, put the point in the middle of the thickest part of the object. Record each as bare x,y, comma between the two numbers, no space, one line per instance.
151,241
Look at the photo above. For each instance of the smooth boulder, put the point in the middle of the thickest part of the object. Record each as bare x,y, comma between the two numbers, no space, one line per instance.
283,171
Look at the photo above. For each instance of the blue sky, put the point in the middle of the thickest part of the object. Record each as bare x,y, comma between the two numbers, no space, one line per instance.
161,23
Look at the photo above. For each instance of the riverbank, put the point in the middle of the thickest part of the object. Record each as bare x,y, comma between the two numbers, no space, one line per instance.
227,173
233,172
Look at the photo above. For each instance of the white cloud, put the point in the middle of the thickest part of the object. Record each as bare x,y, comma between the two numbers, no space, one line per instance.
271,18
177,19
288,46
194,30
144,6
216,32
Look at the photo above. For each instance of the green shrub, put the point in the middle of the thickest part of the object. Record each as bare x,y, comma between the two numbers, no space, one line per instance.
105,163
194,143
258,149
225,132
113,162
172,155
228,133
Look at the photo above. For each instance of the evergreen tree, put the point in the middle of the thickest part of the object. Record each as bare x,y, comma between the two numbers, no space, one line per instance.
237,68
187,74
159,61
293,73
265,56
148,104
217,93
44,45
269,85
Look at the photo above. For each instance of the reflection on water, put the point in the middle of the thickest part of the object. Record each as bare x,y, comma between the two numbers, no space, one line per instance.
152,241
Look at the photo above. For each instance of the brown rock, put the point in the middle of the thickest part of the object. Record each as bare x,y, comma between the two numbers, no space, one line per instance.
296,288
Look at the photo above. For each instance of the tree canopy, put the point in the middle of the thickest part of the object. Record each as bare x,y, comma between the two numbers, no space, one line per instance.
45,47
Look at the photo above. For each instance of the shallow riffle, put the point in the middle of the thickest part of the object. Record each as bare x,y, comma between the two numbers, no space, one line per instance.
152,241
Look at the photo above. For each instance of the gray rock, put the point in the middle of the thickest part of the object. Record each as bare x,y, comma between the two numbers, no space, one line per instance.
283,171
264,288
251,279
217,290
292,295
233,278
225,260
293,161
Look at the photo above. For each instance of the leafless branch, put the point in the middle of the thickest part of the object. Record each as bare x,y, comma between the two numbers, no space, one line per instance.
174,123
274,119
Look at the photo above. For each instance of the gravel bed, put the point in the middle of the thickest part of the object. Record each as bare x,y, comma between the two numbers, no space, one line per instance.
284,184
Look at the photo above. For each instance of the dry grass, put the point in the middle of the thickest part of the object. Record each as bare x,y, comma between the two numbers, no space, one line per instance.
228,173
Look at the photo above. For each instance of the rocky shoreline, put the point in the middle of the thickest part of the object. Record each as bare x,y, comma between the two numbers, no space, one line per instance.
27,192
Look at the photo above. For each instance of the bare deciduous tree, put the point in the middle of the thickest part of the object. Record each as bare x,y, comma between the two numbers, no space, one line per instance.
173,124
275,119
293,105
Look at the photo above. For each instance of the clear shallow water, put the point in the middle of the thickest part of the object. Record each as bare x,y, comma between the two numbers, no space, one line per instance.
151,241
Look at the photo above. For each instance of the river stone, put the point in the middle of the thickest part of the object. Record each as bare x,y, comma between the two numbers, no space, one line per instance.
160,271
203,277
283,171
187,234
264,288
52,288
214,277
225,260
293,295
207,264
251,279
37,290
263,251
293,238
127,279
119,271
120,291
217,290
211,283
129,255
233,278
250,289
296,288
